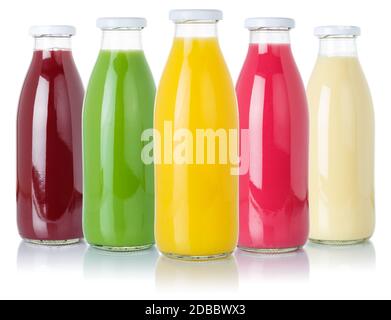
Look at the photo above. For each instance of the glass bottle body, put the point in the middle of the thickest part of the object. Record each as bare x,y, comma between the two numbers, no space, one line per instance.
342,197
273,111
49,147
196,199
119,187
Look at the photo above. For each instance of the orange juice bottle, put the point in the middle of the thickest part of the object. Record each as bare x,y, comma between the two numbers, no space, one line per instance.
196,119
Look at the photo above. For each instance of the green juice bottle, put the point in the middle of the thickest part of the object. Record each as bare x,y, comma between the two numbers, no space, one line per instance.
118,184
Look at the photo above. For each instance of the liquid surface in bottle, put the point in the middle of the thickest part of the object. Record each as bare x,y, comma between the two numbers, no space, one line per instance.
342,151
49,168
197,207
119,187
274,192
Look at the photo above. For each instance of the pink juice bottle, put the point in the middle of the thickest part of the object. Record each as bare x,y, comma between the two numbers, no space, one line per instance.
274,124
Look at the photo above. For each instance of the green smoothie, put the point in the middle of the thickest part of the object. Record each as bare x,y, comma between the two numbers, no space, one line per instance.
118,186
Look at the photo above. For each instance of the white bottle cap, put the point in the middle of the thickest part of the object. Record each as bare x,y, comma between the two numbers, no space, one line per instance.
195,15
52,31
327,31
121,23
269,23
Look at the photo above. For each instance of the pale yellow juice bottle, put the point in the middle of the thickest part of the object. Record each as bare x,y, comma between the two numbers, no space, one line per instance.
196,113
342,201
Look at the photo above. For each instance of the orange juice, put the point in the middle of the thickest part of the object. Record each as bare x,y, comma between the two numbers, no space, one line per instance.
197,198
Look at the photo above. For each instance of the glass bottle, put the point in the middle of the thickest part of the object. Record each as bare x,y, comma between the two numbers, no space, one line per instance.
342,199
119,186
274,142
49,147
196,110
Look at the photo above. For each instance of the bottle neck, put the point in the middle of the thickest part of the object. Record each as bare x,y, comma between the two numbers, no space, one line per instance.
338,47
265,36
123,40
196,30
53,44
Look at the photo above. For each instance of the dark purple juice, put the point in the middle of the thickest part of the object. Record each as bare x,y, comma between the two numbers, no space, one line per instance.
49,150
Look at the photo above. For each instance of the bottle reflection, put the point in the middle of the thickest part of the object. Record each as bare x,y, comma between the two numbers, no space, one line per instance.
115,265
221,275
284,267
35,258
333,258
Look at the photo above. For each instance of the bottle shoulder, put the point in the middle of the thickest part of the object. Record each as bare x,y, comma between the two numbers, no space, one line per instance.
196,60
119,69
339,84
266,77
338,74
51,73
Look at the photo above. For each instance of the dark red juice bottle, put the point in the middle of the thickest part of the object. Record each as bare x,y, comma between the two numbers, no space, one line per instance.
49,143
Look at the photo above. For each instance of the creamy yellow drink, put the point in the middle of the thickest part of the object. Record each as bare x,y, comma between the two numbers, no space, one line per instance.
342,201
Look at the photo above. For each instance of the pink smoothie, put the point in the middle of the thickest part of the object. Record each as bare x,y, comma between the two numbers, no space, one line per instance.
274,191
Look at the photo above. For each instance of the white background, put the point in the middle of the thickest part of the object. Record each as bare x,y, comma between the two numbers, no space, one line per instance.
78,272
